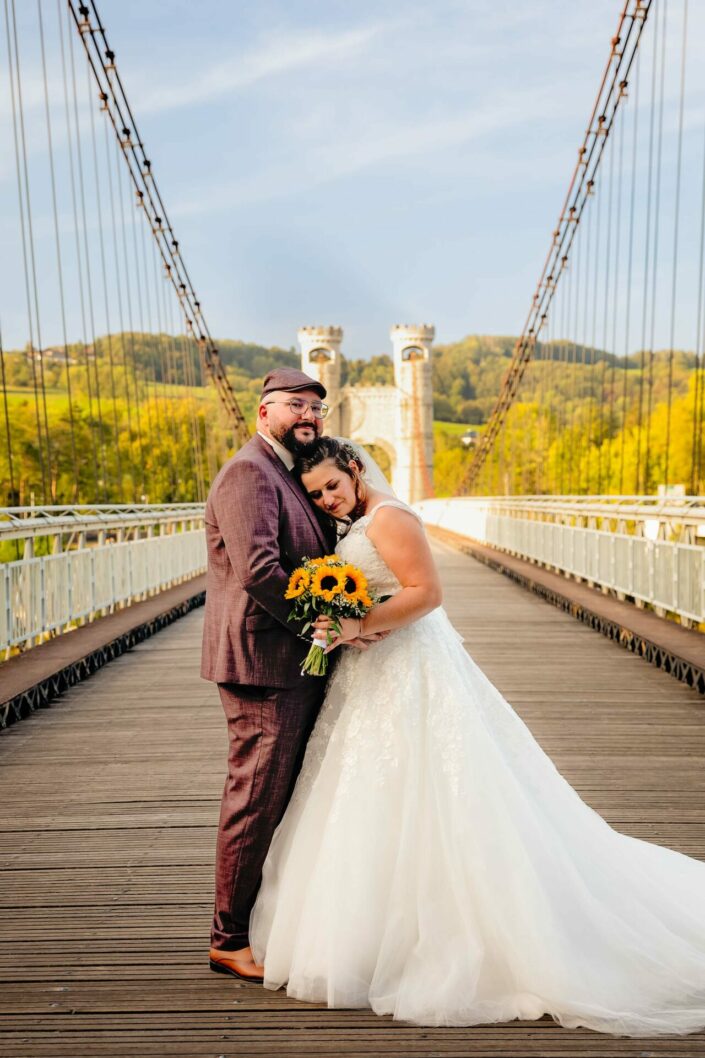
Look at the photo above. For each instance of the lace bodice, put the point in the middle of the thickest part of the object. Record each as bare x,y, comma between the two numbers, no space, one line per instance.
357,548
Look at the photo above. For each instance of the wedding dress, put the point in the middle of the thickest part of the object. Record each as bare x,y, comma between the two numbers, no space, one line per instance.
433,864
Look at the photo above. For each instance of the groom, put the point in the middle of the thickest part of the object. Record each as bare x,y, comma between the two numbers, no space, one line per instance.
259,524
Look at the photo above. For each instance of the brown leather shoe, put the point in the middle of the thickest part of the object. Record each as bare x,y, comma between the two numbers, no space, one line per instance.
237,964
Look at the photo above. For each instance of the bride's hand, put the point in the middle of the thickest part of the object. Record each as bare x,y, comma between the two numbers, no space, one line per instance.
349,630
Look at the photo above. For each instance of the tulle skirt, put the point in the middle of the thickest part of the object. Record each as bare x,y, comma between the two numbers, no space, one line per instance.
433,864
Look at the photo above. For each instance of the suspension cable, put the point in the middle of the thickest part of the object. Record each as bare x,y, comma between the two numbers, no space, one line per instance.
696,439
602,440
101,59
26,233
615,79
121,318
676,232
59,262
638,487
92,425
654,270
106,299
630,261
130,318
103,480
13,496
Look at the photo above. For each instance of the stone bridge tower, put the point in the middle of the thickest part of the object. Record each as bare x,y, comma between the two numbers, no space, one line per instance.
320,358
398,418
413,471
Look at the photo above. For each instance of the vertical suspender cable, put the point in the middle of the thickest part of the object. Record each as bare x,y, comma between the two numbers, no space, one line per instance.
676,224
594,369
628,296
33,262
130,337
565,382
602,439
654,270
121,319
12,498
155,371
101,58
640,484
103,480
92,425
699,387
188,403
163,370
583,370
59,262
106,299
612,422
615,78
25,229
571,435
198,451
145,355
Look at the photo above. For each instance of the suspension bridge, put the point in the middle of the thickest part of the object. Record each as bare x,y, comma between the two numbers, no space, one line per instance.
572,553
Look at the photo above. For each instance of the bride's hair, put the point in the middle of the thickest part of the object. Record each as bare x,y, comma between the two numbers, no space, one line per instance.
342,455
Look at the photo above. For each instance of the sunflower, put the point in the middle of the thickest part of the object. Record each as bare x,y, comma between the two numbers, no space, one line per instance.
327,582
325,560
355,583
298,583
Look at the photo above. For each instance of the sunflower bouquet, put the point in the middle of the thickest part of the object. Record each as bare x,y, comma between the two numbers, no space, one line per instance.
327,586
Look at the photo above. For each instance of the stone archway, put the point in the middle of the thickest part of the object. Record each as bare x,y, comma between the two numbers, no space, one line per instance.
383,454
396,419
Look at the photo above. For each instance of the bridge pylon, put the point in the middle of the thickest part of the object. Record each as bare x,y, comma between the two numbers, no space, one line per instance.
412,476
321,359
397,418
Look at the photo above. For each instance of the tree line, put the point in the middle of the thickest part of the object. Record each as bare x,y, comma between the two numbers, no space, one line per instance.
134,418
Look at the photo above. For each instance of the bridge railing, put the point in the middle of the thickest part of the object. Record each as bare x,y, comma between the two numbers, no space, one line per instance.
644,548
96,559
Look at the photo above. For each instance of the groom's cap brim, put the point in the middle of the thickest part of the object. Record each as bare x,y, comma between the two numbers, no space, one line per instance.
291,380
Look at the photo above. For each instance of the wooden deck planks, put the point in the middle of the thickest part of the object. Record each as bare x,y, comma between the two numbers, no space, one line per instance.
110,801
34,678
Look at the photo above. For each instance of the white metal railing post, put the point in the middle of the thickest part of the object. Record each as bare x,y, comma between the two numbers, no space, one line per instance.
7,605
100,558
42,597
650,550
94,592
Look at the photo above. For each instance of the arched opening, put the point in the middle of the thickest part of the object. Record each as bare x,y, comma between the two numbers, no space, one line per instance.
412,352
320,355
383,455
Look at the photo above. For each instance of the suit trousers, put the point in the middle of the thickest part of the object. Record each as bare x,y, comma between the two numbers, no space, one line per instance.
267,730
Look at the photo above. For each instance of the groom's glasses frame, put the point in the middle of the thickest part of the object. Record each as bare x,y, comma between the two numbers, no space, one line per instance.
298,406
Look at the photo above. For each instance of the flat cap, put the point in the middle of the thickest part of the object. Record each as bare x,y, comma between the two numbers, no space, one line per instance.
289,379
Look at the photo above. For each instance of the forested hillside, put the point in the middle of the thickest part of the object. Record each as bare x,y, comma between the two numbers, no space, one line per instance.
128,418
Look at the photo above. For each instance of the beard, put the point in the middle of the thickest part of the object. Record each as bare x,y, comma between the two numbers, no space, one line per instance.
291,442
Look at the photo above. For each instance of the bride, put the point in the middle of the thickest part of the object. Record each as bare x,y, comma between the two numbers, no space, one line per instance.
433,864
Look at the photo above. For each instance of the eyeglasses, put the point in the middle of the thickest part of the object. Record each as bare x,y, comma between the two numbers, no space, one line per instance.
298,406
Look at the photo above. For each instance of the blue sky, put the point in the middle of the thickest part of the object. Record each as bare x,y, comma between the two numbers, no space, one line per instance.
362,163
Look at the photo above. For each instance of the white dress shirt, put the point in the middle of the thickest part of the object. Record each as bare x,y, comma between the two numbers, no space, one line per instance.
283,453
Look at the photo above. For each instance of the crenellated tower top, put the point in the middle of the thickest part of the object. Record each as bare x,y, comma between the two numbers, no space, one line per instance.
320,343
321,359
412,341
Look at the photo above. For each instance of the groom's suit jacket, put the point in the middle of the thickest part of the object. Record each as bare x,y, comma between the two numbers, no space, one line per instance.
259,524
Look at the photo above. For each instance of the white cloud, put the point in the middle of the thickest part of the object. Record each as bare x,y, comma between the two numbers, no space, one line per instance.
280,54
372,144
